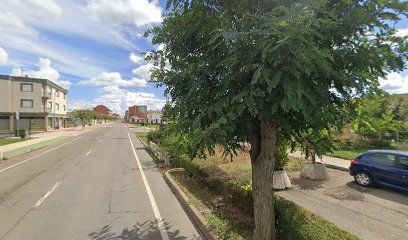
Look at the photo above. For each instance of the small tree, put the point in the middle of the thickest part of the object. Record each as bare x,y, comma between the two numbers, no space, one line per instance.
250,70
313,143
378,117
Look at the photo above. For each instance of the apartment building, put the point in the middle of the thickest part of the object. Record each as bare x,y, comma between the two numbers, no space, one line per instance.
154,116
40,104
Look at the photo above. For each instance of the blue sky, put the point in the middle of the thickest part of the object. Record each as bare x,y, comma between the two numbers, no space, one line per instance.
95,48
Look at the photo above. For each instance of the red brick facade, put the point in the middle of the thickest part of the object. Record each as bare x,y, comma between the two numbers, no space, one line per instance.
102,110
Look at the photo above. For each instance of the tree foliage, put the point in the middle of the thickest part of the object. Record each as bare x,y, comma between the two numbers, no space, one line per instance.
250,70
379,117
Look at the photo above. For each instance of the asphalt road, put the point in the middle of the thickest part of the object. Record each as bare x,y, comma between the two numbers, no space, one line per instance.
370,213
90,187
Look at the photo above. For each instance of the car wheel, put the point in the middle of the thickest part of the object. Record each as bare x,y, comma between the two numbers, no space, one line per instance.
363,179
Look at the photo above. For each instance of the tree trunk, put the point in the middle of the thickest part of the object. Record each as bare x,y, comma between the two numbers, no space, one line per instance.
263,146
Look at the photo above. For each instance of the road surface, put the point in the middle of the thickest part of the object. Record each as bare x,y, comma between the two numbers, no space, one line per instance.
89,187
370,213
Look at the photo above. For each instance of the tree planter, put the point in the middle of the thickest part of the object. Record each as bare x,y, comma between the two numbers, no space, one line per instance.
281,180
314,171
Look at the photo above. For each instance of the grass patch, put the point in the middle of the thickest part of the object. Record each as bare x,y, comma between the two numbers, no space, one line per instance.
222,223
143,136
296,222
30,148
346,154
12,140
154,126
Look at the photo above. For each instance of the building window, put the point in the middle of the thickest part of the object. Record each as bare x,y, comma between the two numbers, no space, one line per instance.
57,93
49,90
63,94
64,108
26,87
56,106
49,105
27,103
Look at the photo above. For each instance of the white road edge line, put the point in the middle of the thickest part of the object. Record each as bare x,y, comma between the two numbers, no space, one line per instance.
89,152
156,211
15,165
52,189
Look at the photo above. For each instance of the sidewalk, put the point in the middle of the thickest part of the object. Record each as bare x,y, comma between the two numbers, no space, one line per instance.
331,162
40,140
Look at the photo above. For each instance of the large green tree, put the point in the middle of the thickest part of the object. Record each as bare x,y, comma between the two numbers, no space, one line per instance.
249,70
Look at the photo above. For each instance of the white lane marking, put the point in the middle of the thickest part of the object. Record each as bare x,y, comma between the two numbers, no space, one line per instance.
156,211
52,189
88,152
15,165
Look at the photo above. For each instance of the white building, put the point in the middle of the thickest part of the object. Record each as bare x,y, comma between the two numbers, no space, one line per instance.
40,103
154,116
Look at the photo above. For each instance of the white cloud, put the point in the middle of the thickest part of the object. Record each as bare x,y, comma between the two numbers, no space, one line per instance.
118,100
116,12
143,71
402,32
395,83
3,56
45,71
113,79
10,23
33,8
135,58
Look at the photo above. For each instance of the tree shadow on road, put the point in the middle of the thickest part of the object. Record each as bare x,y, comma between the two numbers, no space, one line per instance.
141,231
307,184
380,192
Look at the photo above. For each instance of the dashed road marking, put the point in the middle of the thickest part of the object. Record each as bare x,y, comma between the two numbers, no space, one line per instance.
15,165
52,189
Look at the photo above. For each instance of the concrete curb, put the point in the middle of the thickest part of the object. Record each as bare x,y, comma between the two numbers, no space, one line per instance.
147,149
192,212
336,167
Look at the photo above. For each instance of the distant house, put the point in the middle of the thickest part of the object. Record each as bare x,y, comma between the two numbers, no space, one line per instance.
102,110
154,116
137,113
32,103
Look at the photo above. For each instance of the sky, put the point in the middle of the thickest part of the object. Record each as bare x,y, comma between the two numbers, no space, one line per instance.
95,48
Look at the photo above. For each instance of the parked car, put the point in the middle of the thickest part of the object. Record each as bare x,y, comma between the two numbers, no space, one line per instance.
383,167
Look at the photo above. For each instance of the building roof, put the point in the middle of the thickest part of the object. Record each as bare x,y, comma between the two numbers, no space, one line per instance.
34,80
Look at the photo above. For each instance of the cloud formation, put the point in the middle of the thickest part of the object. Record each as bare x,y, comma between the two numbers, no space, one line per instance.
139,12
45,71
395,83
113,79
135,58
118,100
3,56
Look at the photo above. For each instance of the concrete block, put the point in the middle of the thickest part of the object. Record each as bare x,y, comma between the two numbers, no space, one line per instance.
281,180
315,171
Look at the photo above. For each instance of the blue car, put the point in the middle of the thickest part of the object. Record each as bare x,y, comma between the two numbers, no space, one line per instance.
383,167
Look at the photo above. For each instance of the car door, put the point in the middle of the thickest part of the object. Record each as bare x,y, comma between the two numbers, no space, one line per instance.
384,169
402,163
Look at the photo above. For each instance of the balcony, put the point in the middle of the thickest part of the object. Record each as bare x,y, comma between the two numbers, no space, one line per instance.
46,96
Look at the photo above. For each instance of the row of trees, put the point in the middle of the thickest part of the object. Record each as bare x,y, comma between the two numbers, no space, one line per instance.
89,116
263,71
380,118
